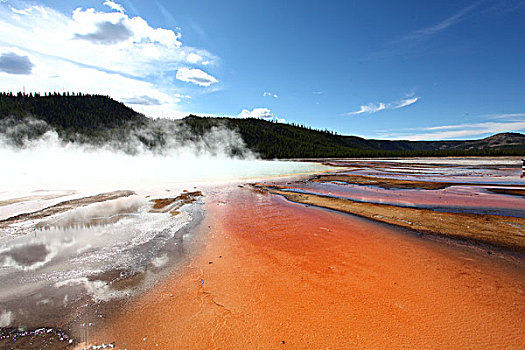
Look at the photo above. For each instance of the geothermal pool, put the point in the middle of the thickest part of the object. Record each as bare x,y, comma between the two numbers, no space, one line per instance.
276,273
101,251
79,229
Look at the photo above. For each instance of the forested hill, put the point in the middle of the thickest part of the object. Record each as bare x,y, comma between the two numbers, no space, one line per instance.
276,140
96,119
69,111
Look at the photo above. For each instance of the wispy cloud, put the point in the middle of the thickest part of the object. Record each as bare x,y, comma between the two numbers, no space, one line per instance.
412,43
270,94
406,102
381,106
507,123
115,6
415,43
513,116
369,108
143,100
446,23
505,6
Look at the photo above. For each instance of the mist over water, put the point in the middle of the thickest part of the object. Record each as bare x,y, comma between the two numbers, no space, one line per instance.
50,163
54,263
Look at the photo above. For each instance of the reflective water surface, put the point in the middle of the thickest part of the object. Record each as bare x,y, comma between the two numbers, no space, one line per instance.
70,252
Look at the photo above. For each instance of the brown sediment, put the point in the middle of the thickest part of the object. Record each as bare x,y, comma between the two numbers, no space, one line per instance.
502,231
163,205
274,274
90,220
160,203
40,338
34,198
65,206
389,183
119,279
513,192
467,198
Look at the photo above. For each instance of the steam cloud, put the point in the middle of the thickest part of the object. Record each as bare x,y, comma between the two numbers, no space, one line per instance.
17,133
158,137
156,155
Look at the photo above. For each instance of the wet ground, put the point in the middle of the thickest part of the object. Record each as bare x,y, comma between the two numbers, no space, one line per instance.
64,267
478,186
467,205
75,248
249,269
276,274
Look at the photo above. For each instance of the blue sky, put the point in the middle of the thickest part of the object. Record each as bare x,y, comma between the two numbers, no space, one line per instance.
378,69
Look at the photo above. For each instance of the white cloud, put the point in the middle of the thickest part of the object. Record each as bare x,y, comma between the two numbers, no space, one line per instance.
143,100
111,46
270,94
381,106
195,76
114,6
21,12
405,102
369,108
193,58
458,131
447,22
134,47
516,116
88,80
260,113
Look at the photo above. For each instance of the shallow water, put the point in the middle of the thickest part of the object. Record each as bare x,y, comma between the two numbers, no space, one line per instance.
459,199
276,274
56,268
47,273
471,180
501,170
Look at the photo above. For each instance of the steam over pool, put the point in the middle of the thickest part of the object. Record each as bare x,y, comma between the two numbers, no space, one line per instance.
48,164
77,224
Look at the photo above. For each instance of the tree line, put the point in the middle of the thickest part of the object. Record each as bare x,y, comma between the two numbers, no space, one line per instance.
95,118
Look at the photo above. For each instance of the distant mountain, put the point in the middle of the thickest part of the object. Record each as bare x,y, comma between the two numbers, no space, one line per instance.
276,140
498,141
508,140
98,119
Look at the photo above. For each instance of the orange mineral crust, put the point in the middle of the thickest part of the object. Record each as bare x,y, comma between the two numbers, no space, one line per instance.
274,274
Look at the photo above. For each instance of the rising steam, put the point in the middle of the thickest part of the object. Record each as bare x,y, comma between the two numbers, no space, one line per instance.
155,154
155,136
